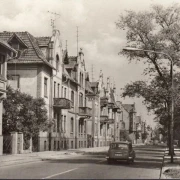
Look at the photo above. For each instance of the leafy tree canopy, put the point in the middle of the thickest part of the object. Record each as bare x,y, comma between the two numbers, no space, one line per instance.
157,30
23,113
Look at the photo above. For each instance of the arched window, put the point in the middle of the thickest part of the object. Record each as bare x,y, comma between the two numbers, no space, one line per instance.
72,125
72,97
80,78
57,62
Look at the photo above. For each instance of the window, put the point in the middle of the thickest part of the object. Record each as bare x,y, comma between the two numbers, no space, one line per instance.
58,145
57,62
58,90
45,87
82,81
80,78
101,129
85,127
58,120
54,145
64,123
14,81
2,60
64,92
80,100
72,125
72,97
54,89
45,145
15,45
71,144
62,128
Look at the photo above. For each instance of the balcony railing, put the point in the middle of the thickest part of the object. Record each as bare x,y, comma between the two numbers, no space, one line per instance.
103,101
115,108
111,121
105,119
110,105
85,111
62,103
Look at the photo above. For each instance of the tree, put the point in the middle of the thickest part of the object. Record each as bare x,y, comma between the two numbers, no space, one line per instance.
25,114
158,30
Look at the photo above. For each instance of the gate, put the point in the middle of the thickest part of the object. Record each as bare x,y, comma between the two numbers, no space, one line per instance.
7,144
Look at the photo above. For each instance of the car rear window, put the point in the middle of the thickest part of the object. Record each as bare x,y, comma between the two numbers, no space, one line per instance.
119,146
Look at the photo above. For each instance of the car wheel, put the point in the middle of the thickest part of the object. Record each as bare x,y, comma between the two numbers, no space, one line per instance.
109,161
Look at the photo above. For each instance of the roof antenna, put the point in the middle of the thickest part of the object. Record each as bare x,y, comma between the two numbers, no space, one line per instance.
66,45
77,40
53,20
92,72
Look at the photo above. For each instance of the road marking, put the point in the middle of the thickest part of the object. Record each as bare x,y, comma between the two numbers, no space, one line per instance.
59,173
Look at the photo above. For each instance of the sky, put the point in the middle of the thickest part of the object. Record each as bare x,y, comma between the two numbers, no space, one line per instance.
97,34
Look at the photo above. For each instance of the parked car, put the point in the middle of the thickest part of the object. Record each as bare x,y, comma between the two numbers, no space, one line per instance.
121,150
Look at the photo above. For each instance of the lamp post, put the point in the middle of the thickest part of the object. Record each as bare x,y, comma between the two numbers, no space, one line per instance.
172,96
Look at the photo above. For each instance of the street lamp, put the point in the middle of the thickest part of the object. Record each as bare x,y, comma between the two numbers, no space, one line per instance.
172,98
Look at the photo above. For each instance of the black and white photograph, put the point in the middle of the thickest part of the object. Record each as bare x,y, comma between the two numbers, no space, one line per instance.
90,89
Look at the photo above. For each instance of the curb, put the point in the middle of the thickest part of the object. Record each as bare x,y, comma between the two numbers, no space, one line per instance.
162,176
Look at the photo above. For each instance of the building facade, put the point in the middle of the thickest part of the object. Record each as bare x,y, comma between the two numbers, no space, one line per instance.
6,52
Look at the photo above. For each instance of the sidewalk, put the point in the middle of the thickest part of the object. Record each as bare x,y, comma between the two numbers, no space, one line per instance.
7,160
171,170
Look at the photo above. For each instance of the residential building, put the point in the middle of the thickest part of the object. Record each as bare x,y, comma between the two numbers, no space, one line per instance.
6,52
128,122
108,115
37,70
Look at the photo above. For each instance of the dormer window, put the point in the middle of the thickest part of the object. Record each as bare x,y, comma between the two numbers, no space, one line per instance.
17,43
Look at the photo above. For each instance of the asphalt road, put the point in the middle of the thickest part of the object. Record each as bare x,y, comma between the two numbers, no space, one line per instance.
147,165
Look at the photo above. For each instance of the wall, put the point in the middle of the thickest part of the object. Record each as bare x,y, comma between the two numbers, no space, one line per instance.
28,78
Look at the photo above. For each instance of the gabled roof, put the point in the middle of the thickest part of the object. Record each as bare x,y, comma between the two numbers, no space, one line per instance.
32,54
129,107
88,87
6,45
94,84
66,74
43,41
14,35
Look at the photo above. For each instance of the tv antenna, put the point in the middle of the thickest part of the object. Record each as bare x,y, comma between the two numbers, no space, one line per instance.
53,20
77,39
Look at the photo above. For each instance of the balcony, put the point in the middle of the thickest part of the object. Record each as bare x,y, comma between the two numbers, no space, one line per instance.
62,103
111,121
103,101
86,112
105,119
115,108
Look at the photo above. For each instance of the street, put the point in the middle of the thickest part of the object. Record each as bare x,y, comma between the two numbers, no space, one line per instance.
147,164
